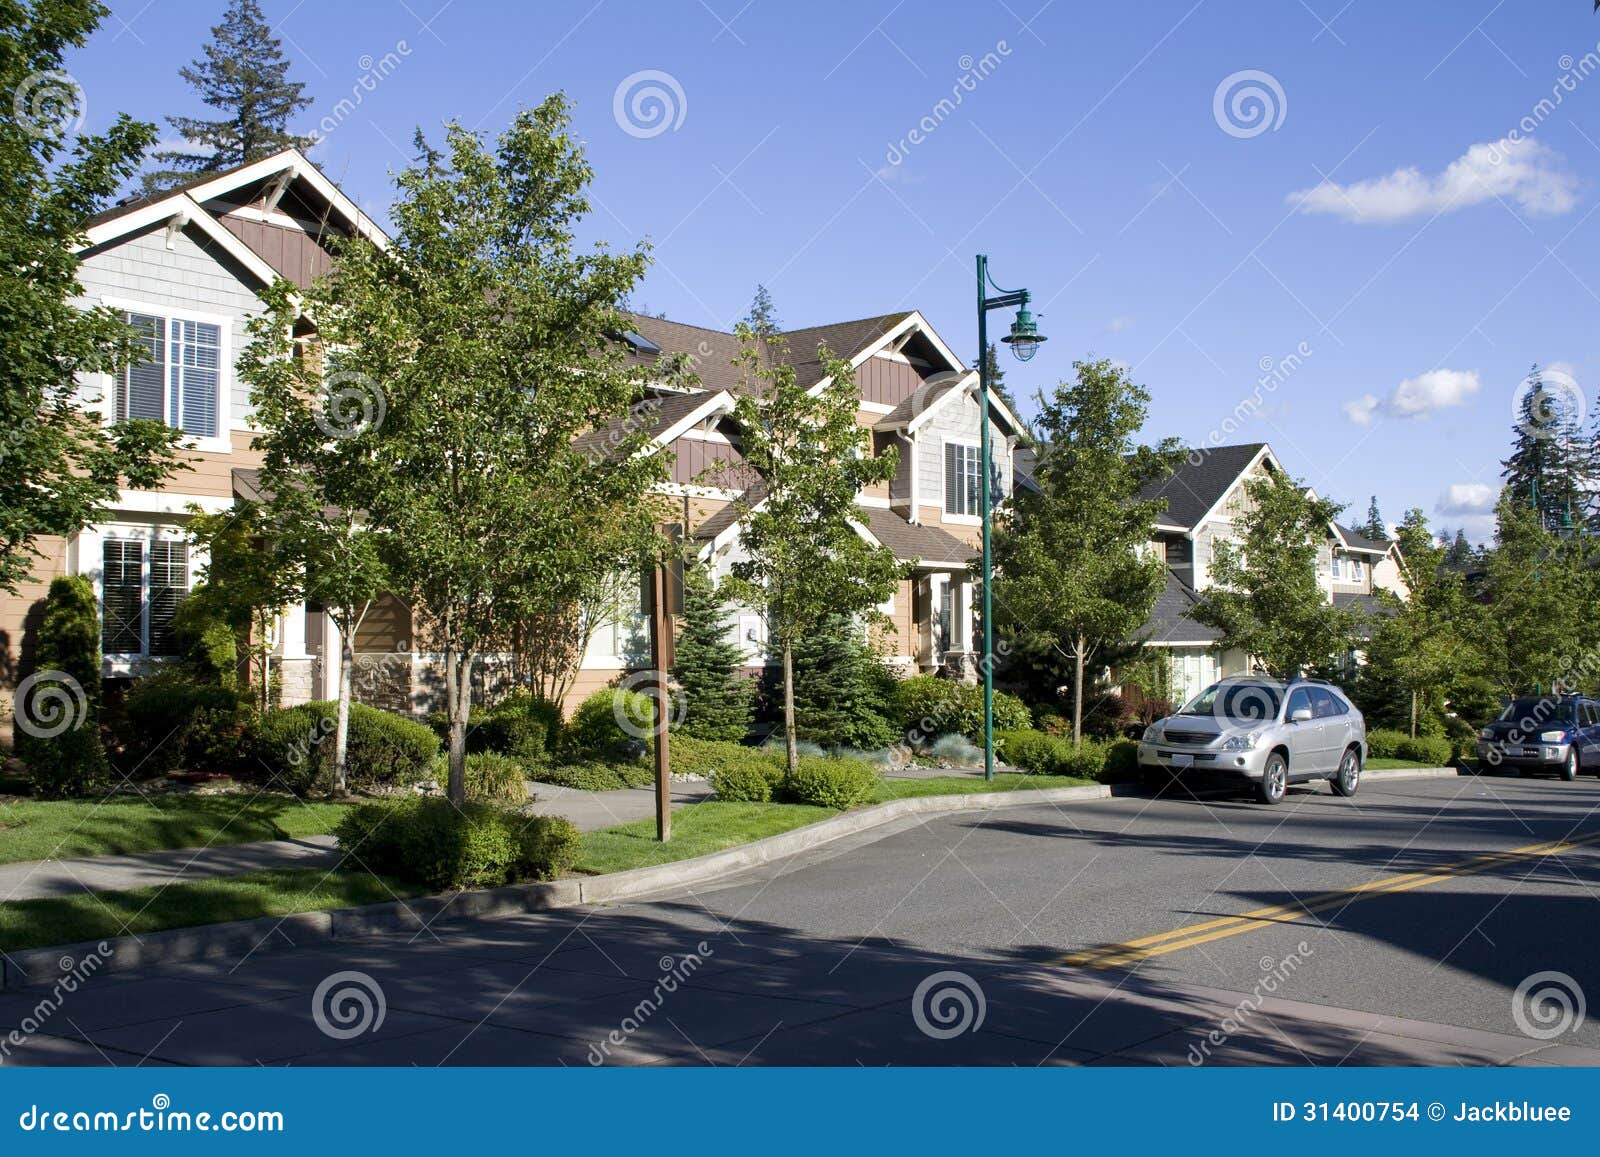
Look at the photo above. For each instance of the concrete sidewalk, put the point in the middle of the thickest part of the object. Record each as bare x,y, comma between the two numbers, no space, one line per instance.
42,879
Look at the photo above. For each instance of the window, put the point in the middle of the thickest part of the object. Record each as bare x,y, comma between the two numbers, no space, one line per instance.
961,479
1326,704
140,593
1355,570
178,379
944,619
1299,700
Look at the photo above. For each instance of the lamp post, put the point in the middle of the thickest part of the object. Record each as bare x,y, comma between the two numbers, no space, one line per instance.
1024,340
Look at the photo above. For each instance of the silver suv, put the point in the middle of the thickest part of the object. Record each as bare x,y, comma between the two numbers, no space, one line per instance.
1264,731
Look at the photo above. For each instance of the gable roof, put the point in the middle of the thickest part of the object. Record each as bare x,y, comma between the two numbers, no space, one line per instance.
1169,620
660,417
844,339
1355,540
929,545
1201,480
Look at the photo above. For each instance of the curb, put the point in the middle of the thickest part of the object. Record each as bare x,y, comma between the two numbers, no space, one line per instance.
239,937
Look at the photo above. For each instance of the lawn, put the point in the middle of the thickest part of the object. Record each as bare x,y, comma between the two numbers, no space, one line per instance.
103,915
969,784
1392,764
696,829
57,829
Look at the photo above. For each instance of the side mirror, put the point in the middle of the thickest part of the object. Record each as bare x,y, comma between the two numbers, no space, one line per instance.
1300,715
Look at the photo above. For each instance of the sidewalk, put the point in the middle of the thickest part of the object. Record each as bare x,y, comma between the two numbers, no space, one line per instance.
42,879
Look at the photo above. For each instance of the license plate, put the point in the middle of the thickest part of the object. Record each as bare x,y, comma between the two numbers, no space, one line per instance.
1178,758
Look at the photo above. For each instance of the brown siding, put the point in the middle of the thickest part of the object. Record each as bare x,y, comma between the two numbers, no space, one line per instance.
697,463
886,381
295,255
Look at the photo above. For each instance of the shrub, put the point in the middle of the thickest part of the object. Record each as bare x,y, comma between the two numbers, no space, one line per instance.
1087,760
494,778
172,721
592,775
956,751
747,783
65,697
928,705
1425,749
1028,750
1382,743
206,639
596,732
828,782
520,725
1122,762
440,845
705,757
295,747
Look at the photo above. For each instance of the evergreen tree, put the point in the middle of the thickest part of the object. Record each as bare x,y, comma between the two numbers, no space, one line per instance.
1537,585
245,76
1374,528
841,689
706,665
1459,552
58,720
1547,470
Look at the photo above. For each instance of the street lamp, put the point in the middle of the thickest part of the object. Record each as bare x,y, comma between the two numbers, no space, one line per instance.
1024,340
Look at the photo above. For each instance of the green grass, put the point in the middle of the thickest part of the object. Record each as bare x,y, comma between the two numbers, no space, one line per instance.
1392,764
696,829
969,784
103,915
57,829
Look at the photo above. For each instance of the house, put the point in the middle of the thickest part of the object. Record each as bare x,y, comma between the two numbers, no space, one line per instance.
1205,495
186,267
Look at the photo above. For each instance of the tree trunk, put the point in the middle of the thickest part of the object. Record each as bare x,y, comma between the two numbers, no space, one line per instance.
791,753
341,729
458,704
1077,693
1413,714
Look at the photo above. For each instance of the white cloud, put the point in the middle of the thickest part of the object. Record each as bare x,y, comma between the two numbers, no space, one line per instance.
1118,324
1467,498
1523,172
1416,397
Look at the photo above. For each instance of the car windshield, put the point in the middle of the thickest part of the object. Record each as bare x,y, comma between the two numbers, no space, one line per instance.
1533,712
1240,701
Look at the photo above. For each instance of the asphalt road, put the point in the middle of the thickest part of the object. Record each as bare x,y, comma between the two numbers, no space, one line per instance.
1392,928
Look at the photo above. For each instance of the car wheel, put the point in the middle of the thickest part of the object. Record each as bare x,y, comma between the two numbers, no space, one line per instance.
1274,780
1569,769
1348,777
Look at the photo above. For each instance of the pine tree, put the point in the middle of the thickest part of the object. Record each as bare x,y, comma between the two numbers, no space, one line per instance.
841,689
245,75
1374,528
706,665
1459,553
1546,472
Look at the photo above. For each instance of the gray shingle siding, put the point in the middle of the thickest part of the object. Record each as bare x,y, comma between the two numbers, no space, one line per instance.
140,268
957,420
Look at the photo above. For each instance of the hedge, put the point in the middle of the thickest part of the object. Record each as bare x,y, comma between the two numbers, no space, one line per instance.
520,725
170,721
926,705
829,782
592,775
442,845
596,732
1427,750
294,745
1040,754
1382,743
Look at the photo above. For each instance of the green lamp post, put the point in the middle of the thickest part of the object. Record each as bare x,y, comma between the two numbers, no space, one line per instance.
1024,340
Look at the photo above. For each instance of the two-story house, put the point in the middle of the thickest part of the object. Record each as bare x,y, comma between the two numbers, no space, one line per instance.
1205,495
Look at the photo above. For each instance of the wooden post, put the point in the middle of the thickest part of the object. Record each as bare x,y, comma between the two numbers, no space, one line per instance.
660,653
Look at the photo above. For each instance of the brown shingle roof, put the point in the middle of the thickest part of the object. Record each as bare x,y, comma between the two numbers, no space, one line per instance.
926,544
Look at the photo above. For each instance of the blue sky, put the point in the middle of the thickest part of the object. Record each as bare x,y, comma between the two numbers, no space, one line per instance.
1352,227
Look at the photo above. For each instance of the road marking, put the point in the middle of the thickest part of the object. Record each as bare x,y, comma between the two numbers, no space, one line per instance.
1132,952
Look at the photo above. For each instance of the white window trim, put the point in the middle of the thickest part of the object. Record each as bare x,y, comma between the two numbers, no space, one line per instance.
222,442
91,564
944,482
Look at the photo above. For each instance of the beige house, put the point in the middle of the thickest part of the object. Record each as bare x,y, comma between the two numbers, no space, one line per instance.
187,268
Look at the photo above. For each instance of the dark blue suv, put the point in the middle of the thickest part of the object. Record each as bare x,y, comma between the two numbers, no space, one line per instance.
1552,733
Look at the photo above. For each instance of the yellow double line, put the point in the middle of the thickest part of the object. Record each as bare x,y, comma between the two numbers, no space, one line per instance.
1132,952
